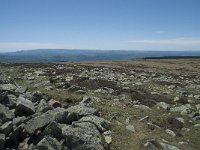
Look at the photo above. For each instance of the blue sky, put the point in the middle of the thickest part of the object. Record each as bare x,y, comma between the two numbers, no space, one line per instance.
100,24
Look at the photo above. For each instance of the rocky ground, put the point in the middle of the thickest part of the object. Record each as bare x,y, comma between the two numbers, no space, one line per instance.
129,105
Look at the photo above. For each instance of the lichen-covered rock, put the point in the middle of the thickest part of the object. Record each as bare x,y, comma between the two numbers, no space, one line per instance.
2,141
82,136
47,143
6,128
82,110
37,123
101,124
53,130
5,114
43,106
25,106
54,103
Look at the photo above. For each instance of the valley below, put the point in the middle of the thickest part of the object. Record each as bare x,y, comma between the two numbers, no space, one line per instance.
126,105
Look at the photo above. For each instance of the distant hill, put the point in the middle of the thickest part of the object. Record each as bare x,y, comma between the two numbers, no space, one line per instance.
58,55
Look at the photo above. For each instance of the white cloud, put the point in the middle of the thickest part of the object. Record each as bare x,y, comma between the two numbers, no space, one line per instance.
176,41
10,46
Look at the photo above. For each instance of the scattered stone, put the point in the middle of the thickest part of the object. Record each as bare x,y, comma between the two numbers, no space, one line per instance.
108,137
152,126
144,118
168,147
130,128
163,105
170,132
143,107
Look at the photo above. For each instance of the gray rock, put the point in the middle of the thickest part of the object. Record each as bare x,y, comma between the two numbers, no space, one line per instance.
130,128
180,108
49,143
170,132
8,86
43,106
143,107
101,124
25,106
85,100
6,128
53,130
168,147
12,100
2,141
21,89
37,97
4,98
74,88
82,110
5,114
163,105
107,137
37,123
82,136
54,103
18,134
41,121
17,121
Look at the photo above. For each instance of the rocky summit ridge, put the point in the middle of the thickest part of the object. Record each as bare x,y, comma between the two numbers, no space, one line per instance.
129,105
33,121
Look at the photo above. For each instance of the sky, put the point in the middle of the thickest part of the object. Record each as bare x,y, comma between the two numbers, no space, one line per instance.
100,24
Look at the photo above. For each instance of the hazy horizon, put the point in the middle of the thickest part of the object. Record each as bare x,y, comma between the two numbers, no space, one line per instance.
111,25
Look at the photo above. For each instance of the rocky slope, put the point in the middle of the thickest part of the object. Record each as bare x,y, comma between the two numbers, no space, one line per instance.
34,121
101,105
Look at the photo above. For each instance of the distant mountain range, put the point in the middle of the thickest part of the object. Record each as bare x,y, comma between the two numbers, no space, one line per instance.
58,55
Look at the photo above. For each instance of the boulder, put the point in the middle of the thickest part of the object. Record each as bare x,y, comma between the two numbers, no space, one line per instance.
48,143
17,135
21,89
54,103
38,123
10,87
5,114
101,124
82,135
82,110
6,128
18,120
37,97
2,141
54,130
43,106
25,106
168,147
